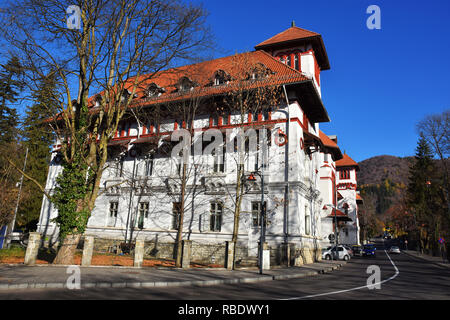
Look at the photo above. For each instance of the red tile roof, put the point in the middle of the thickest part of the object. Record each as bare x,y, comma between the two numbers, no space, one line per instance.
339,215
296,34
346,161
293,33
202,74
328,143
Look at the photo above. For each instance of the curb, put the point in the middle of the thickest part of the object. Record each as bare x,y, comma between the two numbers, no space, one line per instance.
159,284
444,265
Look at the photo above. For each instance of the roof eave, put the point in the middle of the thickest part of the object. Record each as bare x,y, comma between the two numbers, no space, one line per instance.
310,100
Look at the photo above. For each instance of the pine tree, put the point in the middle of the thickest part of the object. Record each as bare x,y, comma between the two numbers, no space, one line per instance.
11,84
38,138
423,193
10,87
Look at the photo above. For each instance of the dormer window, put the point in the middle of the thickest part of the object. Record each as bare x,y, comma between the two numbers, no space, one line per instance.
218,80
98,101
260,71
186,84
221,77
125,95
154,90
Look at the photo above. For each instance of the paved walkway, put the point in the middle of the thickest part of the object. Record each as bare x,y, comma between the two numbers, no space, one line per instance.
48,276
436,260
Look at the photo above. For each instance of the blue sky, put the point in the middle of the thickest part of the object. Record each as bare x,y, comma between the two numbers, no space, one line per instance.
381,82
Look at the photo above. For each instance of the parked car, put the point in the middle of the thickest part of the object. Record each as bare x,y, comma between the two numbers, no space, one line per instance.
330,253
369,250
349,250
357,250
394,249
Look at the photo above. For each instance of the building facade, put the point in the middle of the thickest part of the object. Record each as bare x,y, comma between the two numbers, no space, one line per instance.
141,186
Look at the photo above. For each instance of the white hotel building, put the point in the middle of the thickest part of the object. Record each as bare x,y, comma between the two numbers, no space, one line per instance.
140,188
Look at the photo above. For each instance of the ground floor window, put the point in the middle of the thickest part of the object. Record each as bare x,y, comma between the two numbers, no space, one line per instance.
176,210
142,214
112,217
256,213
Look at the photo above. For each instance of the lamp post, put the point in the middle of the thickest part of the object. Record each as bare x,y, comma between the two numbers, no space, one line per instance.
335,228
262,236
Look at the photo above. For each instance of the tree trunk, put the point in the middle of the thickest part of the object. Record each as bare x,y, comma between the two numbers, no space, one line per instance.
179,244
67,249
237,211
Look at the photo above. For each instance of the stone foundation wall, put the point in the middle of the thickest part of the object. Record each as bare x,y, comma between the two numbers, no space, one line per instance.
214,253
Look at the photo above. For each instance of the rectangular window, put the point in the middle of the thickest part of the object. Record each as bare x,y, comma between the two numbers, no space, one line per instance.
112,217
296,63
142,214
256,213
176,210
149,166
219,161
344,174
118,168
215,221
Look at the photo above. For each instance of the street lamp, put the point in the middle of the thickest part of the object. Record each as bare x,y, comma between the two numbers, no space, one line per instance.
335,227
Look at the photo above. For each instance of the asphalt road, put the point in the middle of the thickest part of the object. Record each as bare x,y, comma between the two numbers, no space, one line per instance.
402,277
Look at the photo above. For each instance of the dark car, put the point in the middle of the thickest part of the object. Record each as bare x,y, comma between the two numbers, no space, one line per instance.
369,250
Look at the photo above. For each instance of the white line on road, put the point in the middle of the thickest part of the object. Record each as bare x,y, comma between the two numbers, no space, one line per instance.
352,289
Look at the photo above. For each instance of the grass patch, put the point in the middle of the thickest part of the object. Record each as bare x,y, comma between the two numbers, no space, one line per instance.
12,252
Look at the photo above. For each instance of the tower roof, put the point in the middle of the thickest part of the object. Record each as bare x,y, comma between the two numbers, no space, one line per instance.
346,161
297,36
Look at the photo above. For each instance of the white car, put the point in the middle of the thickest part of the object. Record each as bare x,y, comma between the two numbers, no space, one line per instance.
330,253
394,249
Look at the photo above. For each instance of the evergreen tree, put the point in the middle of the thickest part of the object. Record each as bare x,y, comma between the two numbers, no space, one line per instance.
38,138
423,194
10,87
11,84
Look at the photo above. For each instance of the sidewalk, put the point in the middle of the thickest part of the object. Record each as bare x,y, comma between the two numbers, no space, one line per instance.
48,276
435,260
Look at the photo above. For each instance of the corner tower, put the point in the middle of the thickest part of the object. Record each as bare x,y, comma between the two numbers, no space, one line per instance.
301,49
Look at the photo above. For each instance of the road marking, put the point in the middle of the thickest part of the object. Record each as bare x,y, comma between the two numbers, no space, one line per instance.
352,289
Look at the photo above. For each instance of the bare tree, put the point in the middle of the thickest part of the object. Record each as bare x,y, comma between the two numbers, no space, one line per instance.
251,95
436,131
118,46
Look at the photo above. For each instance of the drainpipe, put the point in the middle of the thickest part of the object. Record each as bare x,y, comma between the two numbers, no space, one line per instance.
286,173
